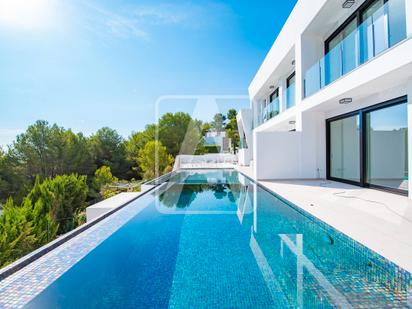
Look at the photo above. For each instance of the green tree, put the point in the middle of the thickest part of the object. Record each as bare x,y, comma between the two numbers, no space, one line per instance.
232,130
136,143
17,237
12,179
206,128
108,148
179,133
39,207
154,159
46,151
76,154
218,122
68,201
103,176
38,148
52,207
193,139
231,114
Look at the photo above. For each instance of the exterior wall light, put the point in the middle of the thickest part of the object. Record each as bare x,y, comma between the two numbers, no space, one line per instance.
348,4
293,62
271,87
292,127
345,101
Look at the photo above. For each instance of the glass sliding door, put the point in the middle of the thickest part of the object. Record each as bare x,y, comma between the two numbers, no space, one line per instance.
369,147
387,147
344,150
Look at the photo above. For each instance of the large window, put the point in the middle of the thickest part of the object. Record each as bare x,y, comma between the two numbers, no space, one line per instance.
369,147
344,149
290,91
387,147
273,109
375,38
340,57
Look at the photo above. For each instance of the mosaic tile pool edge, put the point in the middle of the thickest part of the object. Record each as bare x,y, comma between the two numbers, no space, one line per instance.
18,288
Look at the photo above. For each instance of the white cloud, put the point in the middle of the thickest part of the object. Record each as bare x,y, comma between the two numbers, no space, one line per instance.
101,21
161,14
124,28
189,14
137,21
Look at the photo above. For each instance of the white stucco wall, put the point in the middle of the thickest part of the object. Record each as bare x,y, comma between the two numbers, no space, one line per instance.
279,154
245,125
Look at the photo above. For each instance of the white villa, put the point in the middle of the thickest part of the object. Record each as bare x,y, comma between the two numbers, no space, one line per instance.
219,139
331,98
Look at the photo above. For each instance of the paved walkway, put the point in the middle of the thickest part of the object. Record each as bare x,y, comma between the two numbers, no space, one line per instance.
379,220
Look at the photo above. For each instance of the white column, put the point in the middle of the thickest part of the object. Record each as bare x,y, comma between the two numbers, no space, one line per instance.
408,7
299,71
410,135
312,144
282,94
255,203
256,159
308,50
255,110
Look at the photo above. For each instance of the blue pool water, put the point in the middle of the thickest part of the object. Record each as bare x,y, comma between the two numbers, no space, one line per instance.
214,239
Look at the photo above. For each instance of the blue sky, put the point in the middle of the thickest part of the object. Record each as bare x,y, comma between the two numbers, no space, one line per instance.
88,64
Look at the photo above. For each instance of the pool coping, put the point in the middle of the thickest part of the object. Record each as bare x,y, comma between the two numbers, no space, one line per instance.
43,250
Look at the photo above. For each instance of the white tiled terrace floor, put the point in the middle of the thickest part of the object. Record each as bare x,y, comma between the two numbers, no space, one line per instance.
379,220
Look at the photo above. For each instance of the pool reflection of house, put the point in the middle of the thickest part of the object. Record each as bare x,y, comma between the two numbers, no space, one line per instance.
300,252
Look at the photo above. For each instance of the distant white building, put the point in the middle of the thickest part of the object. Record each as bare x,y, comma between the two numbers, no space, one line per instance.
332,98
219,139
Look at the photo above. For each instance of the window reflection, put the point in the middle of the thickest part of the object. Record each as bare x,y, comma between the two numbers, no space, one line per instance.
344,149
387,147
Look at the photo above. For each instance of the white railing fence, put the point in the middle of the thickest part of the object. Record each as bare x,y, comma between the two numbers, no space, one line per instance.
216,160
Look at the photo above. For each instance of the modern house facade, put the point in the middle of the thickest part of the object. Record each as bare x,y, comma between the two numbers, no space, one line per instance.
332,97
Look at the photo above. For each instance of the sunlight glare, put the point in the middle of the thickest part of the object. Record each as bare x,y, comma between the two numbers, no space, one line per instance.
26,14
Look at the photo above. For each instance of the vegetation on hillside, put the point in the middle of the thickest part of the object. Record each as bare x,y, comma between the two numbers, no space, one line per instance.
49,175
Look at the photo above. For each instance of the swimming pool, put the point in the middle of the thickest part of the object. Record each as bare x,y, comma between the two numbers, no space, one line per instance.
215,239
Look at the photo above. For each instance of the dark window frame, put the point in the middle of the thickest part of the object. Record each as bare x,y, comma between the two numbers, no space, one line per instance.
289,78
272,95
363,145
328,148
355,15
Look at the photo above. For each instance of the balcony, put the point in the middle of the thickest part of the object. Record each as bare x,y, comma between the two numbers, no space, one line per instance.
290,96
383,29
268,111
